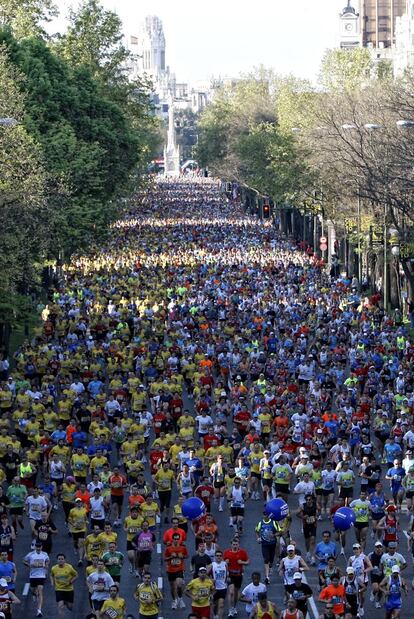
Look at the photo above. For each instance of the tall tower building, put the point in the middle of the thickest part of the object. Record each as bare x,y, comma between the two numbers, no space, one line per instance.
151,46
379,21
349,28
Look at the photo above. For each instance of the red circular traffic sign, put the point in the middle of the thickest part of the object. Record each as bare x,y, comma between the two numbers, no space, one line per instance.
323,240
323,247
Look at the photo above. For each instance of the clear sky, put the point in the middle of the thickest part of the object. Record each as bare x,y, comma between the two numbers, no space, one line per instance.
228,37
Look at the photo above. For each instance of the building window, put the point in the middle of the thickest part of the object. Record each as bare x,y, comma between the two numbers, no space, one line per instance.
162,60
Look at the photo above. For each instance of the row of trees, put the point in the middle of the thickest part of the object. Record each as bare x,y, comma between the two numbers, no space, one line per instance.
340,145
84,134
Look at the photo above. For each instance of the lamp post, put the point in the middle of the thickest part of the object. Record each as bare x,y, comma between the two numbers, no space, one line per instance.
395,252
8,122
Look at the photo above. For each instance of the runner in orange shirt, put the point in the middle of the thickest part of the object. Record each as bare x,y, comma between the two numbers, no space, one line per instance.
117,483
174,556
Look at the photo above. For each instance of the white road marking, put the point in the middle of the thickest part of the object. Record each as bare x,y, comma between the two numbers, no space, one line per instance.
159,549
311,600
160,583
26,589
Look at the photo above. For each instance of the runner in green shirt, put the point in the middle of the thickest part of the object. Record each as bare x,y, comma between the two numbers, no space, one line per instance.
361,509
113,560
17,493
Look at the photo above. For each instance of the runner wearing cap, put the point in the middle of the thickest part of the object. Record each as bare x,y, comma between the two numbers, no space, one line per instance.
393,587
362,566
301,593
288,566
7,599
390,525
353,591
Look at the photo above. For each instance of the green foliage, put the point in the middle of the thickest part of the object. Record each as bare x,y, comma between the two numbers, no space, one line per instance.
87,141
65,166
346,70
25,17
94,39
241,139
23,204
296,102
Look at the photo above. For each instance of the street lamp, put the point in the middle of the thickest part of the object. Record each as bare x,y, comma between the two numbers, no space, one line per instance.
405,124
372,127
8,122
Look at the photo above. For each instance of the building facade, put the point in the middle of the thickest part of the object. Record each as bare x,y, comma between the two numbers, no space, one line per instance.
350,34
379,19
382,26
404,41
149,57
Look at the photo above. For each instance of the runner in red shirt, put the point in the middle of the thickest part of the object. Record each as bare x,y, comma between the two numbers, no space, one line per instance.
175,528
205,492
236,558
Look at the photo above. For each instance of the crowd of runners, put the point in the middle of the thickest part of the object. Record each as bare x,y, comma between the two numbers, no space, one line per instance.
199,354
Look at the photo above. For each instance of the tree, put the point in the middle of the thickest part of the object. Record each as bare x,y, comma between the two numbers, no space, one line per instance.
240,139
296,101
23,204
94,39
94,42
25,17
89,144
346,70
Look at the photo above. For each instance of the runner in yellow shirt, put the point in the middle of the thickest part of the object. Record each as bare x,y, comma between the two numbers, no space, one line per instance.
114,607
148,597
200,591
149,511
62,577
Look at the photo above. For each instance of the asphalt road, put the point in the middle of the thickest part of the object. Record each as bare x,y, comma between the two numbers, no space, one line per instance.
62,542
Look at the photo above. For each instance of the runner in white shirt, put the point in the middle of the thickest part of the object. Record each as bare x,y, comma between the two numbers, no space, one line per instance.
35,505
38,563
203,424
219,574
250,594
99,583
98,509
304,487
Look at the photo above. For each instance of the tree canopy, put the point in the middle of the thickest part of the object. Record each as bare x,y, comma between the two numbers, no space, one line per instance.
83,135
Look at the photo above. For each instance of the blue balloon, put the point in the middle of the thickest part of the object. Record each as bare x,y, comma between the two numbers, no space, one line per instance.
193,508
277,509
344,518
